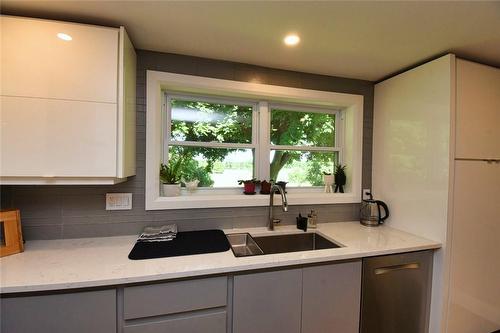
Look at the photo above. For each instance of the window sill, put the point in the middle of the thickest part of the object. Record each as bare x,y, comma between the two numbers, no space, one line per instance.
240,200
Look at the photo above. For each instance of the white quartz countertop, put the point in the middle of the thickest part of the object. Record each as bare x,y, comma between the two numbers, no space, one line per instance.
94,262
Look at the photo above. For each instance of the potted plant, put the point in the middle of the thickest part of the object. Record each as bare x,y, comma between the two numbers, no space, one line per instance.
191,185
340,178
328,180
170,177
265,187
281,184
249,185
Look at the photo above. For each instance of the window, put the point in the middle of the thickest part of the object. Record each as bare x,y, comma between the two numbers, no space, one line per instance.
215,141
222,131
304,144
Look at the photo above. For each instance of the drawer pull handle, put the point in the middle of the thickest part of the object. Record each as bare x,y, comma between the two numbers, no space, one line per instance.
388,269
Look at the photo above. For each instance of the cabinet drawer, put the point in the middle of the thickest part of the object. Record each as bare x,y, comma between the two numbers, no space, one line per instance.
174,297
82,312
205,323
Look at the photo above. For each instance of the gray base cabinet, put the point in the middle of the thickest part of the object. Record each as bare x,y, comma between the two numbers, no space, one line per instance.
189,306
174,297
267,302
331,298
198,323
313,299
81,312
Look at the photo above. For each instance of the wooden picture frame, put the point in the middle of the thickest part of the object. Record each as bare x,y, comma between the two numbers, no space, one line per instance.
10,221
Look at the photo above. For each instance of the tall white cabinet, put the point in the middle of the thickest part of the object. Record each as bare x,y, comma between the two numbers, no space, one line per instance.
436,162
474,290
67,103
477,111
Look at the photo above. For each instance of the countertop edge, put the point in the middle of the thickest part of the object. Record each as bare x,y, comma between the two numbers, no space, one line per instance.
111,283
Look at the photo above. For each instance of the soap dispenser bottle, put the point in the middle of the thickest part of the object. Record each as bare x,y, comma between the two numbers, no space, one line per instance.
312,220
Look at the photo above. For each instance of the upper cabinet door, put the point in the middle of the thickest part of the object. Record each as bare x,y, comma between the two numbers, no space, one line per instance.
57,138
478,111
37,63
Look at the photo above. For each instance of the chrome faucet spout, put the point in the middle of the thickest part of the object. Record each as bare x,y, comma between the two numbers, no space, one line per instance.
284,205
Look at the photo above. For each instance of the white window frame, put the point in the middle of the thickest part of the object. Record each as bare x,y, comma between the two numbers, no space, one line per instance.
349,132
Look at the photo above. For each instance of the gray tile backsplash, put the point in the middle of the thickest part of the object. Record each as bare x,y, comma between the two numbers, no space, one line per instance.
50,212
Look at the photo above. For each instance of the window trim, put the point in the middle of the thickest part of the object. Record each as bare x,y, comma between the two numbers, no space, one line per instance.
186,85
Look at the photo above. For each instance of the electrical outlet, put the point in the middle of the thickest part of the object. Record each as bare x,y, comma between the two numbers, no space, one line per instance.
365,195
118,201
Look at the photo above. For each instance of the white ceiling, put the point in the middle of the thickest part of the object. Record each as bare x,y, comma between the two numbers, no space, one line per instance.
364,40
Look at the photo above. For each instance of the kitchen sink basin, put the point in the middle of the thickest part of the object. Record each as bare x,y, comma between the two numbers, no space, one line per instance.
243,245
246,245
293,243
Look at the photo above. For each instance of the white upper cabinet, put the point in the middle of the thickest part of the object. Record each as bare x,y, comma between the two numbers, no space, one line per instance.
36,63
67,104
478,111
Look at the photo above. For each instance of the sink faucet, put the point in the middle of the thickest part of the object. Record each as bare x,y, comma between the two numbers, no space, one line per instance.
284,205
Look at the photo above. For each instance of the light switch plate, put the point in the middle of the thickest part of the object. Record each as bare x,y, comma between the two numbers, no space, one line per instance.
118,201
366,196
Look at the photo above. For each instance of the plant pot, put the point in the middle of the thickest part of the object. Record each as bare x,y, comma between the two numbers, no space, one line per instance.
192,185
249,188
328,181
281,184
339,188
265,187
171,190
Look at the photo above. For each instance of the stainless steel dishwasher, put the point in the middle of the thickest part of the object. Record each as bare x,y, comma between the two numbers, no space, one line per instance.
396,293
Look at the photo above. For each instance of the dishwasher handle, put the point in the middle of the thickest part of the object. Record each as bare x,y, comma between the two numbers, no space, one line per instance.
388,269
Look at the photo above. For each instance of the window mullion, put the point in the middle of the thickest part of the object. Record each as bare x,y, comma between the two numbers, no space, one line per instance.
339,135
264,141
211,144
167,119
255,140
306,148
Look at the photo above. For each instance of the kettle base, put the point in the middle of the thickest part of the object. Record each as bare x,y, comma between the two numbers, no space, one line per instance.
370,223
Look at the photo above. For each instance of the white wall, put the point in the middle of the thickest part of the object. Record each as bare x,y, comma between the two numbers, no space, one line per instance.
411,157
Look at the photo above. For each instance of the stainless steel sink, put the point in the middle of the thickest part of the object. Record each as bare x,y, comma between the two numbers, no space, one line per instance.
293,243
246,245
243,245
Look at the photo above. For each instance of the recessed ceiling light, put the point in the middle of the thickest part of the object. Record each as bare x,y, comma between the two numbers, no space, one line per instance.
291,40
64,36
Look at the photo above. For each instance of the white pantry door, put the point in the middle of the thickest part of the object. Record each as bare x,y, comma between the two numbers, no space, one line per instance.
475,253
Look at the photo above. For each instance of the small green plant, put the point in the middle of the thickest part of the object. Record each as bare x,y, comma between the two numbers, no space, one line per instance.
253,180
170,173
340,178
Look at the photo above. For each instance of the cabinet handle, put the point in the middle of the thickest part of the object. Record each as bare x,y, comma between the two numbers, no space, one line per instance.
388,269
487,160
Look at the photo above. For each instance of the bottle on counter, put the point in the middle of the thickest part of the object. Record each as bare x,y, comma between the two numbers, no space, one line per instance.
312,220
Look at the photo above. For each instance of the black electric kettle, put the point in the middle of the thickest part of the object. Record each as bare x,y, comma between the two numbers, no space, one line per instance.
370,213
